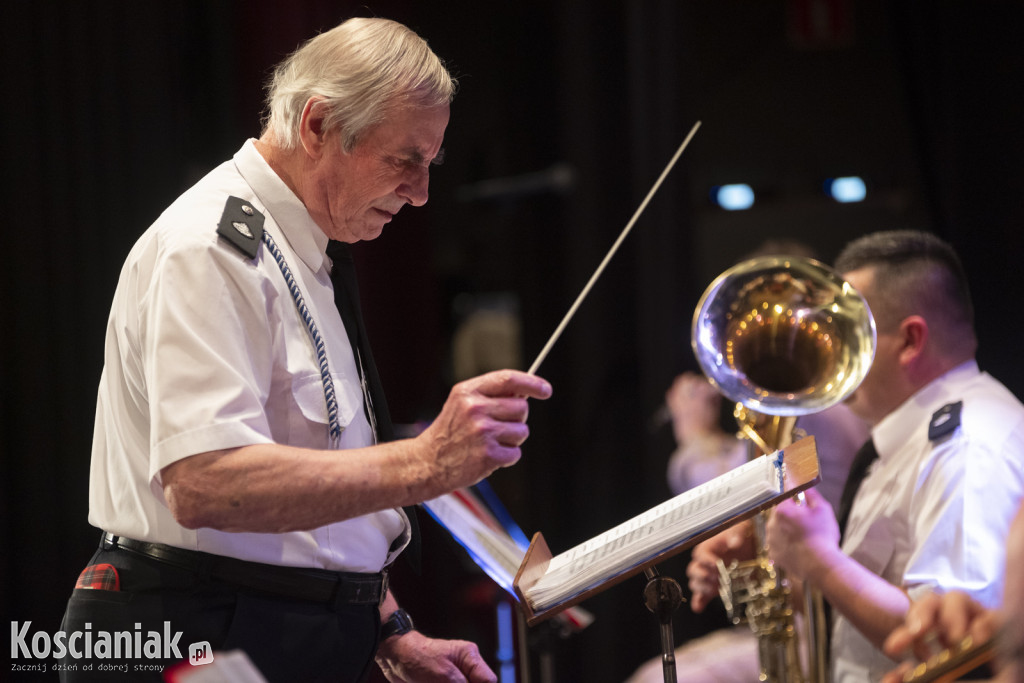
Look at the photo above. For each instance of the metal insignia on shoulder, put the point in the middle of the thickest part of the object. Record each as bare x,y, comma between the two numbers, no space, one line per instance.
242,226
945,420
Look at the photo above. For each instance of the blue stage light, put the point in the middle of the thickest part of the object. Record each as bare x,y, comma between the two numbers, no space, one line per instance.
735,197
846,189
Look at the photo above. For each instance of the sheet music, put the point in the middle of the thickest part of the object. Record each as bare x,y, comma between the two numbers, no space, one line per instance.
662,527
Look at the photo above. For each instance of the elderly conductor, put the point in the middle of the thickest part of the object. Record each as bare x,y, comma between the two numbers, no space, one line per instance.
241,474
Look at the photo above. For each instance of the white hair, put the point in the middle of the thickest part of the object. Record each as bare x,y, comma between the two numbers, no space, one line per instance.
363,69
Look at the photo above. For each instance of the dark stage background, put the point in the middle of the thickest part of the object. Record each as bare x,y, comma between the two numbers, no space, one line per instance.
567,113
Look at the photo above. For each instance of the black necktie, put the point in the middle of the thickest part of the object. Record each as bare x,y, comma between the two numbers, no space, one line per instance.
346,298
858,470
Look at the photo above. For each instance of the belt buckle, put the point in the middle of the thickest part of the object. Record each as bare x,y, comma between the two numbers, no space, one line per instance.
383,587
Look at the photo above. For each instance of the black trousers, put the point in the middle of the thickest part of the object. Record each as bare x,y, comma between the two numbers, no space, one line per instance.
287,640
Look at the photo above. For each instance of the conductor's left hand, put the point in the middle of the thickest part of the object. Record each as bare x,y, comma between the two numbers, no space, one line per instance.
415,658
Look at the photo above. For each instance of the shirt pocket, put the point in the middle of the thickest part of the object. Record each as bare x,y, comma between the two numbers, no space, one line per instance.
309,422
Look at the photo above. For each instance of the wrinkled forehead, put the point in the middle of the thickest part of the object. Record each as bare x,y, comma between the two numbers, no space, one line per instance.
413,132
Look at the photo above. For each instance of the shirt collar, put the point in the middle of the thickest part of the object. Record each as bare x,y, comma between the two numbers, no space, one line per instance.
289,213
899,426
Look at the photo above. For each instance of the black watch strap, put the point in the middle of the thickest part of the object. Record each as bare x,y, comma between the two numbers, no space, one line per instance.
398,623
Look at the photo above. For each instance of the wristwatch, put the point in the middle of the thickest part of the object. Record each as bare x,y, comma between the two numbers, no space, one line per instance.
397,624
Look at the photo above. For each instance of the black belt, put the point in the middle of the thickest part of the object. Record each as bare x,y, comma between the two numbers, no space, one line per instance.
299,583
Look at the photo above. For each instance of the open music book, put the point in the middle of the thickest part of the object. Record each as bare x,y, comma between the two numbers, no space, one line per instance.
547,584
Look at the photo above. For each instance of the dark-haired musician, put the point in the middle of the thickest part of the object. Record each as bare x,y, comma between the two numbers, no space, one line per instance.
943,479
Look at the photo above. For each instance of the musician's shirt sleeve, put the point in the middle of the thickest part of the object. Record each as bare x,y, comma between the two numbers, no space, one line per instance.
935,510
960,516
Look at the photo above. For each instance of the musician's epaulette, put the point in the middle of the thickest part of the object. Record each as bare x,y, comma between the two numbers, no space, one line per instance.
944,420
242,226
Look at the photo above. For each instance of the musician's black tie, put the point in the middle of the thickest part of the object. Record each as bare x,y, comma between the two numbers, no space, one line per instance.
858,470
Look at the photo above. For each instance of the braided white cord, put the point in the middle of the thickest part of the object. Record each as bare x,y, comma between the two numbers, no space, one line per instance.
314,335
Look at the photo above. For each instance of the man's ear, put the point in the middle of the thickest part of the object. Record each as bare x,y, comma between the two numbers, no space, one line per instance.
913,337
311,126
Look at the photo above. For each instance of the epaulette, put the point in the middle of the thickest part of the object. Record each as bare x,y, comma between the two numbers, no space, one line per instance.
242,226
944,420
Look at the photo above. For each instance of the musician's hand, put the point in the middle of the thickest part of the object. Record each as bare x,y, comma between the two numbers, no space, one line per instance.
935,623
694,404
735,543
800,534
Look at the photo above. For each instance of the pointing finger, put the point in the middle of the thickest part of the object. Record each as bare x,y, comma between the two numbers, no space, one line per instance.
512,383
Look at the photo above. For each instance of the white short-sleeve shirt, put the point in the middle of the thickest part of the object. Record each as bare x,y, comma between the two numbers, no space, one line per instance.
934,514
205,350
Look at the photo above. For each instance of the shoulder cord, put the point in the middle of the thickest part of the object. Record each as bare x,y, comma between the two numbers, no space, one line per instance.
334,427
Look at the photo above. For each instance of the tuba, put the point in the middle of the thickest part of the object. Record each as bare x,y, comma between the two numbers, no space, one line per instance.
781,337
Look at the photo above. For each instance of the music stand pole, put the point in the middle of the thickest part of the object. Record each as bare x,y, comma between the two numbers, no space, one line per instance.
662,596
